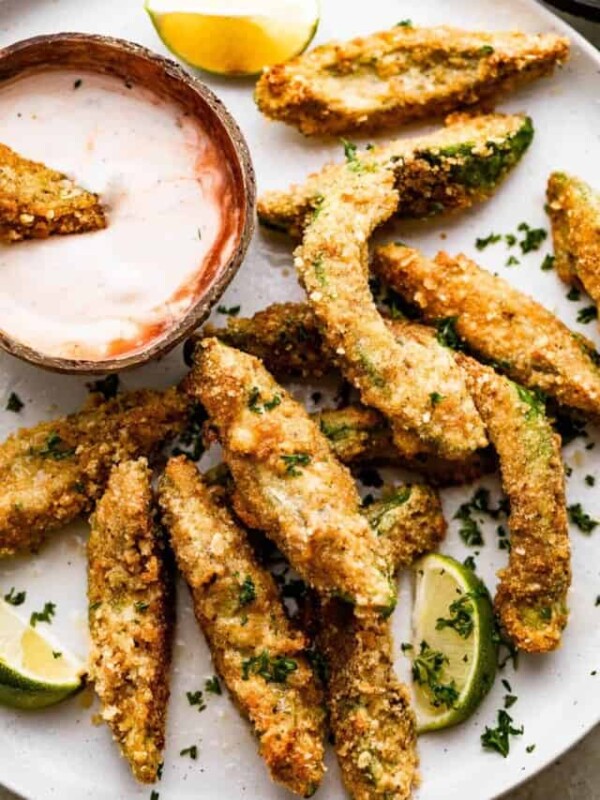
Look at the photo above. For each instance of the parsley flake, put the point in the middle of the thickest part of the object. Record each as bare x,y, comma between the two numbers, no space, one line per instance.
14,403
587,314
293,461
427,670
192,752
482,243
580,518
232,311
212,685
257,405
15,598
498,738
273,670
533,238
247,591
547,263
43,616
196,699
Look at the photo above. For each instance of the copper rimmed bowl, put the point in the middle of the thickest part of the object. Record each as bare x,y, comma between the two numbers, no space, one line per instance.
132,63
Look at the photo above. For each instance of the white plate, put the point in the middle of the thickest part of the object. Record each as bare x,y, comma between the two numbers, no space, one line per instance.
58,753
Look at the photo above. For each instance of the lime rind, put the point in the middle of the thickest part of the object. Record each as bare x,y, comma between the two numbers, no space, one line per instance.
480,648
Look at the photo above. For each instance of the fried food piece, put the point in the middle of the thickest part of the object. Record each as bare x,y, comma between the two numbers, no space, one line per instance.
370,716
574,210
399,376
285,337
409,519
131,613
403,74
54,471
497,323
448,170
291,485
257,652
531,598
357,434
37,202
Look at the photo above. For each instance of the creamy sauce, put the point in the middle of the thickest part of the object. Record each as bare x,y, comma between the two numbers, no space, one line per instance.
169,201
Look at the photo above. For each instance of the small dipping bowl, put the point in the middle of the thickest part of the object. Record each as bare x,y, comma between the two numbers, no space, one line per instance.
221,244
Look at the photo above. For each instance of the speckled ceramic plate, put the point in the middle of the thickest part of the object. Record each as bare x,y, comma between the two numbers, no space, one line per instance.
59,753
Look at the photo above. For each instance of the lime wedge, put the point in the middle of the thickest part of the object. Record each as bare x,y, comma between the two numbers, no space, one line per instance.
454,651
235,37
35,671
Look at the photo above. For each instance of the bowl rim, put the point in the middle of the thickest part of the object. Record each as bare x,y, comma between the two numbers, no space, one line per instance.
202,305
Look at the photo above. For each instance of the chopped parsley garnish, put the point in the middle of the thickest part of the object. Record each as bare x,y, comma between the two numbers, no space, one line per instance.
259,406
154,795
436,398
493,238
581,519
353,162
503,540
77,83
192,437
212,685
56,654
530,748
54,448
503,642
447,333
15,598
232,311
510,700
590,480
426,671
293,461
461,617
273,670
406,647
587,314
532,239
247,591
107,387
510,239
469,563
317,204
498,738
486,50
469,530
547,263
404,23
573,294
597,603
196,699
43,616
199,233
14,403
512,261
192,752
141,606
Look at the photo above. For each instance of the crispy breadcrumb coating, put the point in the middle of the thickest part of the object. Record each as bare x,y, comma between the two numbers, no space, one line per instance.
54,471
399,75
497,323
531,598
370,715
257,652
285,337
574,210
37,202
447,170
131,612
398,376
289,482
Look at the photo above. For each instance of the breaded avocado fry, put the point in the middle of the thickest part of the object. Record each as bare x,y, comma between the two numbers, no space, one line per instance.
37,202
448,170
399,376
402,74
574,210
290,484
257,652
497,323
54,471
131,610
370,716
531,598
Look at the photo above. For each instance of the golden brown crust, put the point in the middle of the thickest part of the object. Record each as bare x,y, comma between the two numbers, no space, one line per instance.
37,202
574,210
398,376
291,485
447,170
370,716
238,607
531,598
130,592
54,471
498,323
406,73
